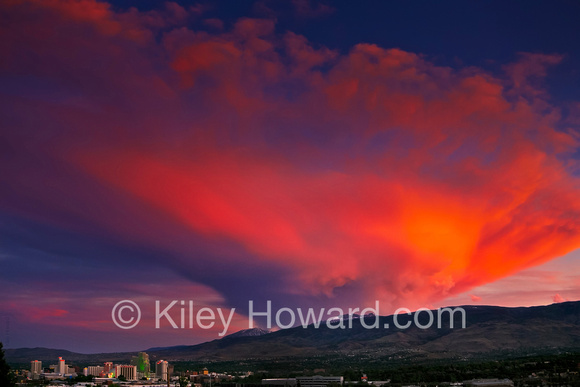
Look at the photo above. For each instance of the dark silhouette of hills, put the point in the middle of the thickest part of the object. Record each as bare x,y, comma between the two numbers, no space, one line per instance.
490,331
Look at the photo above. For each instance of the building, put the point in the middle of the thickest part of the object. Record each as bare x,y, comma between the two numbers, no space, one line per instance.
141,361
61,367
489,383
94,370
283,382
108,367
127,371
305,381
319,381
161,369
35,367
51,376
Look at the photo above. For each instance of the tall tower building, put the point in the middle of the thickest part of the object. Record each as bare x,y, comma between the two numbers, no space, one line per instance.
161,369
108,368
61,367
141,361
35,367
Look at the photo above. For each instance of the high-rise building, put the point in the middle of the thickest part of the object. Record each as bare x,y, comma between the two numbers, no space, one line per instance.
141,361
61,366
35,367
95,370
108,368
161,369
128,371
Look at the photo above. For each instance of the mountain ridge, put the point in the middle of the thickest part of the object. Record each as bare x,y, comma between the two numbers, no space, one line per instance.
489,329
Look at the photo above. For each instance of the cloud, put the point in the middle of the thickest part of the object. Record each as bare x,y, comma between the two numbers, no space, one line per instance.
558,298
475,298
556,276
305,9
214,23
429,196
251,162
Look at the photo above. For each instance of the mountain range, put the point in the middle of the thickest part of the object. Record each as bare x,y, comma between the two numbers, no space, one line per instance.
489,332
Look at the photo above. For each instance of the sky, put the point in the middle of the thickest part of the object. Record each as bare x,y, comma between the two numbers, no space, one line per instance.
315,154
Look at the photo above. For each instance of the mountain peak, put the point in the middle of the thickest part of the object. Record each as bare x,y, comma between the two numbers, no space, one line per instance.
251,332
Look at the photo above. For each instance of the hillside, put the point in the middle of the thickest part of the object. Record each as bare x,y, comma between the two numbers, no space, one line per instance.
489,331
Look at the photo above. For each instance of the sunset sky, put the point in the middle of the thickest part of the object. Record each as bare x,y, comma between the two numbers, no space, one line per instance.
316,154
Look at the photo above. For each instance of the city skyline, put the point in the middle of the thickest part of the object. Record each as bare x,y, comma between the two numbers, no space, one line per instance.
316,154
107,370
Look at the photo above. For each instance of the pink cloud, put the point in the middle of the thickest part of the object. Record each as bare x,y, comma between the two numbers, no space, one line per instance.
558,298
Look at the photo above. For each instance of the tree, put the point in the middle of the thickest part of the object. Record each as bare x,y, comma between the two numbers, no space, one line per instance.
6,377
183,382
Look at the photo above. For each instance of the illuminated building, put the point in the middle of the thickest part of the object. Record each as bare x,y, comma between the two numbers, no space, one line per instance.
36,367
161,369
108,367
94,370
128,371
61,366
141,361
